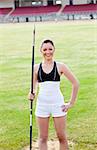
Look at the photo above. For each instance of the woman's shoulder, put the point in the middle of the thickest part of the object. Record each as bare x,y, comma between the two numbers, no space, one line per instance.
36,67
60,64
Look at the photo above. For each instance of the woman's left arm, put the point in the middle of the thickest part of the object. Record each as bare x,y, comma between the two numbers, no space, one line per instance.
75,84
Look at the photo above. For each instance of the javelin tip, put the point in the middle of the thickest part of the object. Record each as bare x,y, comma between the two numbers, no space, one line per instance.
34,35
34,29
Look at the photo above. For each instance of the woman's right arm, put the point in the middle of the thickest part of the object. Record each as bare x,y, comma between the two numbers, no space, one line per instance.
31,96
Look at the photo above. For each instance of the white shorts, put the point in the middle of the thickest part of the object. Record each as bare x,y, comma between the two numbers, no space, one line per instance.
54,110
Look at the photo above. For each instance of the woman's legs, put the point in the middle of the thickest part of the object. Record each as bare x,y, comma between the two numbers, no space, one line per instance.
60,126
43,124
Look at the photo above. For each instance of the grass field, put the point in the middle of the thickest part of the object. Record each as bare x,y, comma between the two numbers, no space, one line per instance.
76,45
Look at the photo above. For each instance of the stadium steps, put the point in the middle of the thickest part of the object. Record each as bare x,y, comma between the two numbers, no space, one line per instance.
61,9
7,15
4,11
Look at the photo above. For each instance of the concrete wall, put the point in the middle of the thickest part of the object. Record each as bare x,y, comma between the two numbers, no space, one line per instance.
75,2
79,1
45,2
25,4
6,3
65,2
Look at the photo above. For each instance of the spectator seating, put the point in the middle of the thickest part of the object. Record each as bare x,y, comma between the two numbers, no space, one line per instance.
5,11
80,8
35,10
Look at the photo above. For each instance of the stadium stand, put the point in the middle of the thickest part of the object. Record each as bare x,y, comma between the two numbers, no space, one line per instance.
48,13
36,10
5,11
82,11
80,8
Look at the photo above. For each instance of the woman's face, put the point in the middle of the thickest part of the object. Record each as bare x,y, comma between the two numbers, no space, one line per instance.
47,51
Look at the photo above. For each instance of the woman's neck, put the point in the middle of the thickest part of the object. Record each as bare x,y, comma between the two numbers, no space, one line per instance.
48,61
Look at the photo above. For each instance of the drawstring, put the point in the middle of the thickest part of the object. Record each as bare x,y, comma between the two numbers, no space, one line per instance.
40,73
55,72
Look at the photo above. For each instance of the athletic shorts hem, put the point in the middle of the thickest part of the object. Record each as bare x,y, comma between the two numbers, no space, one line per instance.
46,116
54,116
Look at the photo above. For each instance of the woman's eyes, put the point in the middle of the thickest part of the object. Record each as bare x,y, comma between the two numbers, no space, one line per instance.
50,49
46,49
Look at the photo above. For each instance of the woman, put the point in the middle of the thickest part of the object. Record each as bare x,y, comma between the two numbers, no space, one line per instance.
50,100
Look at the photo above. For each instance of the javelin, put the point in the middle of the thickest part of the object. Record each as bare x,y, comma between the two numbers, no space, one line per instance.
31,102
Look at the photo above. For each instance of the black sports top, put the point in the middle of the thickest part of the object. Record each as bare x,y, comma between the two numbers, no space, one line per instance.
52,76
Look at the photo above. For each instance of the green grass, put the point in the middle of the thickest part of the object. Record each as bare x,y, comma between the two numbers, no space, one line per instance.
76,45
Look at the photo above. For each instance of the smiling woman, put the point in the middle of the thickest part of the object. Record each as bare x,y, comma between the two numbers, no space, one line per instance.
75,46
47,50
50,100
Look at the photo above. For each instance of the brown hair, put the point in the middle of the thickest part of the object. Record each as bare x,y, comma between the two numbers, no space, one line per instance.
47,41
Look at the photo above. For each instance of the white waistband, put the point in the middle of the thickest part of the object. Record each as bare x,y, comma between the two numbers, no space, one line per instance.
49,86
49,93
